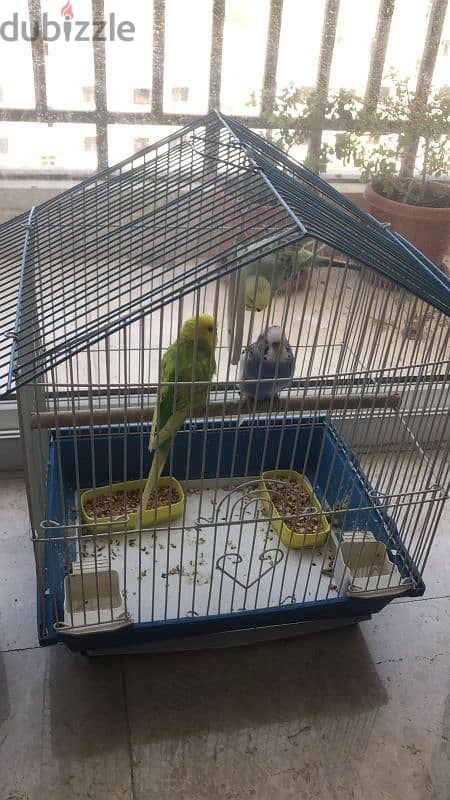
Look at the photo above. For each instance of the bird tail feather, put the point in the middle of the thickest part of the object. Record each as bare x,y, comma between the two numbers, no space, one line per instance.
155,424
159,459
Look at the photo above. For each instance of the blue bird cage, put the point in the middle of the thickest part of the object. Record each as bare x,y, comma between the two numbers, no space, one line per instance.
309,502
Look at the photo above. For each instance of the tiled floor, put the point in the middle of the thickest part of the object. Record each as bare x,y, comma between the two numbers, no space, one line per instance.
361,714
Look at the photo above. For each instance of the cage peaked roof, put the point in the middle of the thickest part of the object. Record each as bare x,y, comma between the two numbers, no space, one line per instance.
201,203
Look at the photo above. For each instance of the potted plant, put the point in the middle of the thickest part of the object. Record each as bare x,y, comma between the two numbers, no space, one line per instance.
404,171
400,170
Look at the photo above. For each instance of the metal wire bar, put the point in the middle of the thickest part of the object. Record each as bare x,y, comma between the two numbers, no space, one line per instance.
20,290
71,532
101,101
271,62
330,19
378,54
215,70
436,21
38,57
76,116
159,23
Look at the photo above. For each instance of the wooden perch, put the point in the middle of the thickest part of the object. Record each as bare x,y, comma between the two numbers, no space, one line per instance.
229,408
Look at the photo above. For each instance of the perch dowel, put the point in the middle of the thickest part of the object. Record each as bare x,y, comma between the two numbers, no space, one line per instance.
117,416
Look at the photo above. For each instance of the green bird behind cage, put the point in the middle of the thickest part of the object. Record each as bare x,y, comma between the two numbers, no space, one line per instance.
263,278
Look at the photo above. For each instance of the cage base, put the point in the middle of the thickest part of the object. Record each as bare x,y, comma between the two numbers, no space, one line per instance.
215,591
238,638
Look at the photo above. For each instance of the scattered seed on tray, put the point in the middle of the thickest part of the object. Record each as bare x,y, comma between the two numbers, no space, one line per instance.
177,570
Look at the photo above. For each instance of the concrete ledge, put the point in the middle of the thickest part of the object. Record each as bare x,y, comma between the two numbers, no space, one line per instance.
19,195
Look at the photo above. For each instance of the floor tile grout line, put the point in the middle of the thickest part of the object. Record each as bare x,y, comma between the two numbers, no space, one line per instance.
424,599
21,649
128,726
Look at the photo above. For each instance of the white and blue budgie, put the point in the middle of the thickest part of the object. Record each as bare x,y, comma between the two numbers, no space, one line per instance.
267,366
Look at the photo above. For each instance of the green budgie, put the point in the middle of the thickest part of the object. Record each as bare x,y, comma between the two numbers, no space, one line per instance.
263,278
175,403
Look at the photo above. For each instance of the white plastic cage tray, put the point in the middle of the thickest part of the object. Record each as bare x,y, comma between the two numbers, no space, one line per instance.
93,600
362,567
222,557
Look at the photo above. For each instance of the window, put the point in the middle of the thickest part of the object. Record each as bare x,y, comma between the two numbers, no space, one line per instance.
48,161
4,146
90,144
180,94
88,93
140,142
142,97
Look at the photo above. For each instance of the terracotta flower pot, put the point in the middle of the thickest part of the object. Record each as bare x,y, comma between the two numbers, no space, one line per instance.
426,228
